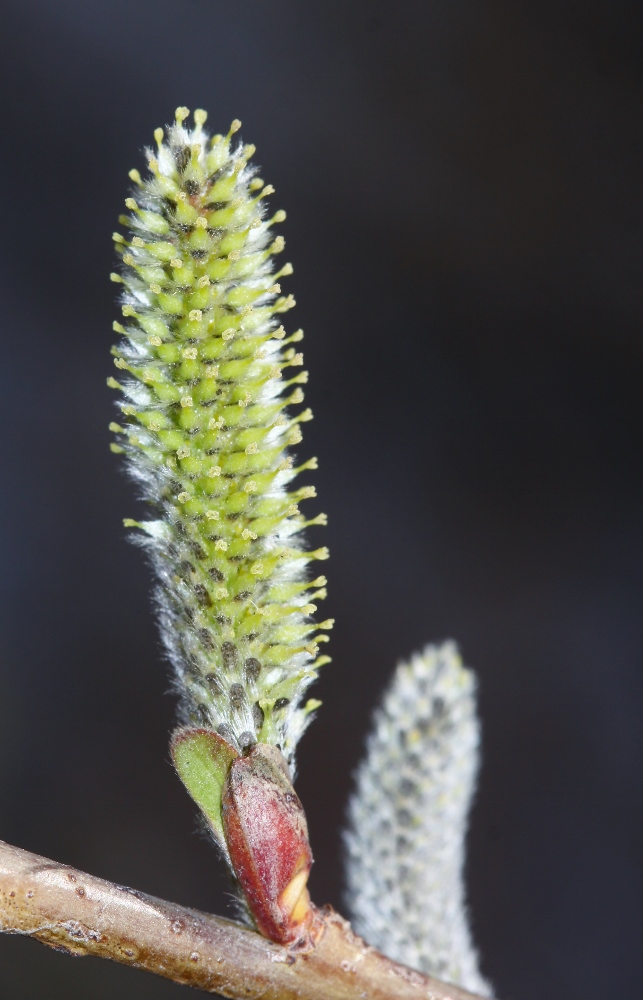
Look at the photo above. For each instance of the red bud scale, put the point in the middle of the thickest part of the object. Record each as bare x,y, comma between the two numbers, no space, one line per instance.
267,839
259,823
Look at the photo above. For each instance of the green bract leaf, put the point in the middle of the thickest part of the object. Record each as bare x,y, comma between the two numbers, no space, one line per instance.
202,760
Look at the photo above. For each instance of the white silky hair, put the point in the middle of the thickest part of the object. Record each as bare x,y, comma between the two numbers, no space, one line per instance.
408,820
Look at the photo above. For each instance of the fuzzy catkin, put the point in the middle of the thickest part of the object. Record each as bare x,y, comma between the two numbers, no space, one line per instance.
408,820
207,376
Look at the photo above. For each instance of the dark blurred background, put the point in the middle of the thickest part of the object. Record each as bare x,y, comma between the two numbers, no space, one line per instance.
464,187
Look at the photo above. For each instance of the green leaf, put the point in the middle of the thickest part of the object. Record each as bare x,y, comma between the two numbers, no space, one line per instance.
202,759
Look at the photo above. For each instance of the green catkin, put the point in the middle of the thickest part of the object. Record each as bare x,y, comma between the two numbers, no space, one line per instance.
208,375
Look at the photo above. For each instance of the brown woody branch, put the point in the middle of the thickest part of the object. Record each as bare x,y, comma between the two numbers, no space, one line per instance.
82,915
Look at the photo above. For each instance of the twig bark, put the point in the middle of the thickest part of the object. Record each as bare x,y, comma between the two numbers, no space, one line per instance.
82,915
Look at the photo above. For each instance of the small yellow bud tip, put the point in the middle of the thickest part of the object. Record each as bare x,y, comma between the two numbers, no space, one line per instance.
181,114
295,899
200,116
235,126
116,278
158,135
135,176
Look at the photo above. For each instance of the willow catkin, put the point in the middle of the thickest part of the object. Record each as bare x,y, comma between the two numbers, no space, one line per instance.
209,377
408,820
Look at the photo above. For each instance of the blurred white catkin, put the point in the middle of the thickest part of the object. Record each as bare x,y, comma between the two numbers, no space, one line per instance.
408,820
